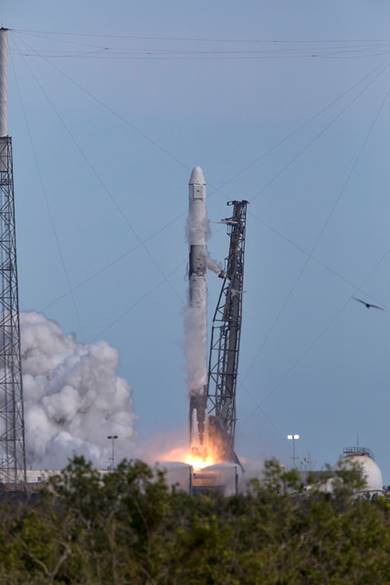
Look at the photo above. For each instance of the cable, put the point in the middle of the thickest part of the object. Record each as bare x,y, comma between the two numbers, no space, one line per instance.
298,361
110,53
110,264
136,303
215,189
309,347
263,155
122,119
268,152
202,39
265,414
316,137
341,193
271,49
218,188
357,48
104,186
117,52
298,128
305,252
47,204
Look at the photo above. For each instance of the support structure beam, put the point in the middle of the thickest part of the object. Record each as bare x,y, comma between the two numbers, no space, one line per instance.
225,341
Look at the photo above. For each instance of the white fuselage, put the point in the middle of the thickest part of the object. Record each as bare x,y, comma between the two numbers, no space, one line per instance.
197,239
196,315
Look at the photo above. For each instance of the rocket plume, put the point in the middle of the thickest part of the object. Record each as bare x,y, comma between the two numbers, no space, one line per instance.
73,397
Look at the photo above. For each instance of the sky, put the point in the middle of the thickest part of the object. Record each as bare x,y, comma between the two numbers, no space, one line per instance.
284,104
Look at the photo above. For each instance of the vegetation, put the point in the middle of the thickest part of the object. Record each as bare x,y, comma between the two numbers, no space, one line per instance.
129,528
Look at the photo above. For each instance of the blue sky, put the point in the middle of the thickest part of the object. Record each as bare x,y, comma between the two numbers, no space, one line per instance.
115,140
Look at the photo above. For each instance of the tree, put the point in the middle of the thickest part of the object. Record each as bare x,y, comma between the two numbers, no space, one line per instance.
126,526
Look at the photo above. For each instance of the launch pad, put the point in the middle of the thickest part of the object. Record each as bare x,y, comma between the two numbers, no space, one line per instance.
216,479
223,478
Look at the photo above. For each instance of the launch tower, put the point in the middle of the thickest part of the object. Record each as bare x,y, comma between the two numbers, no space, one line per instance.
12,445
225,342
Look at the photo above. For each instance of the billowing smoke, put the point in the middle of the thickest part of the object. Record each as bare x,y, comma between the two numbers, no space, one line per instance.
195,327
215,266
73,396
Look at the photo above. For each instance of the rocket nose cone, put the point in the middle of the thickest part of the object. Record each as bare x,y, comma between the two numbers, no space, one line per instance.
197,177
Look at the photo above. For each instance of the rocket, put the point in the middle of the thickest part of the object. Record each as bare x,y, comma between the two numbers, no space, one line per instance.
196,313
196,326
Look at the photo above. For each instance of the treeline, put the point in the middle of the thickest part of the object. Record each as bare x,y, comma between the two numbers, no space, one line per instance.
129,528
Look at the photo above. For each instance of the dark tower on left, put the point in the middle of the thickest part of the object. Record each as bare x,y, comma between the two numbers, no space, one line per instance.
12,444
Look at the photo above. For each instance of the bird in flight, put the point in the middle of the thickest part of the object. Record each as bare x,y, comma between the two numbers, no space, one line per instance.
368,305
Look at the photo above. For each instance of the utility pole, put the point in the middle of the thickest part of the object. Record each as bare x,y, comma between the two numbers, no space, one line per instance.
293,438
12,441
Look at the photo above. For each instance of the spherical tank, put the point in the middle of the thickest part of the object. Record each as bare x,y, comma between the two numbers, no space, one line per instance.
370,469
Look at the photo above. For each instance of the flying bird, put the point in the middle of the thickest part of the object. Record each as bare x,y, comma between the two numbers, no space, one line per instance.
368,305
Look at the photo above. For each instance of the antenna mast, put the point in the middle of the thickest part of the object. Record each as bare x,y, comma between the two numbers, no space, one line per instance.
12,443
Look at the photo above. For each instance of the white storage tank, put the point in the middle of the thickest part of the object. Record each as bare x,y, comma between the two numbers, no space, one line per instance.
371,470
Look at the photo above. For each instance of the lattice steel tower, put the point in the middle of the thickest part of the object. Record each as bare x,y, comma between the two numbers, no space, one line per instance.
225,341
12,445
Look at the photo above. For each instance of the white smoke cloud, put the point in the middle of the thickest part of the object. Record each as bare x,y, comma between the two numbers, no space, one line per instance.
214,265
73,397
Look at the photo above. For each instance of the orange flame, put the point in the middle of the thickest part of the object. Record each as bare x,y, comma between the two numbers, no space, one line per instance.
197,458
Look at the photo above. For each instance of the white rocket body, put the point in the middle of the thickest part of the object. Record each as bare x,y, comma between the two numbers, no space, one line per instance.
197,240
196,326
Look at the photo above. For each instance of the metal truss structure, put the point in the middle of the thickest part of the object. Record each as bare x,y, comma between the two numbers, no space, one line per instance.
12,443
225,340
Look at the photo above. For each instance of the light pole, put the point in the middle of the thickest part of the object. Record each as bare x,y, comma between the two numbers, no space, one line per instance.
293,438
112,438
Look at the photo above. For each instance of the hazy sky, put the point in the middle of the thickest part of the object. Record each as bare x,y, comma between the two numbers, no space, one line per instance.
122,106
